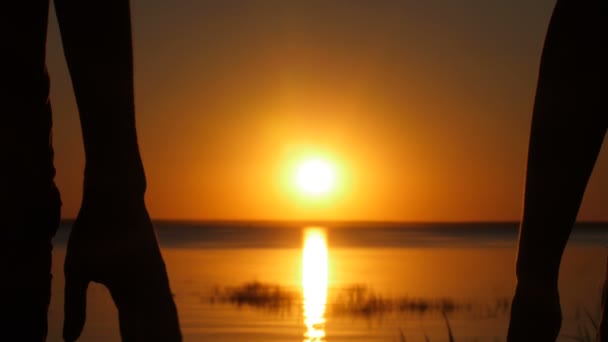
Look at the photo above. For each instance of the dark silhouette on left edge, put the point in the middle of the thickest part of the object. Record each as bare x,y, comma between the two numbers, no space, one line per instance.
112,241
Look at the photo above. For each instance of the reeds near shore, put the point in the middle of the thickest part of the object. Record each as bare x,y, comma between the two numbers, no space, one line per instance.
355,300
361,301
426,337
257,295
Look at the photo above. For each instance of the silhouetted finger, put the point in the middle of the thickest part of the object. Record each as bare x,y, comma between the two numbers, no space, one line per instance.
75,306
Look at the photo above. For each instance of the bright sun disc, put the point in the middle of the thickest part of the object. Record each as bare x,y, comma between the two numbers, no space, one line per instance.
315,177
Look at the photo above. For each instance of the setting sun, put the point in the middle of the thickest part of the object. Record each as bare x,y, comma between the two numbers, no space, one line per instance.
315,177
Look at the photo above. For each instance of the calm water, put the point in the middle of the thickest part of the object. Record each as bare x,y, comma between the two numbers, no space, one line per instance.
328,274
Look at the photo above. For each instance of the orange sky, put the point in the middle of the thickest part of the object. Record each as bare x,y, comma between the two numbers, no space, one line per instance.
424,107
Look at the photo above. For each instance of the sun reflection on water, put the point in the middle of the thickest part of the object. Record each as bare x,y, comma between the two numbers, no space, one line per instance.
314,283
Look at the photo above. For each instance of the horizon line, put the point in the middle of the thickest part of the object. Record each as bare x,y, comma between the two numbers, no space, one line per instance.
320,222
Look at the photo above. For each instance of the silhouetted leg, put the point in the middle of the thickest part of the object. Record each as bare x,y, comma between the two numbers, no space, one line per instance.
603,333
568,128
29,200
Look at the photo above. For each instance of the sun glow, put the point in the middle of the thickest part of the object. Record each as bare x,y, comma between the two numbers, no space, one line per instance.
315,177
314,283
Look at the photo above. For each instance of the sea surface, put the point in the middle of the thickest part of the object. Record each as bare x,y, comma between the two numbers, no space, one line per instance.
338,281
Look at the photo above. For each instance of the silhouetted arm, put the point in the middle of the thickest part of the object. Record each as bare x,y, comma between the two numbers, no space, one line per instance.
112,241
98,49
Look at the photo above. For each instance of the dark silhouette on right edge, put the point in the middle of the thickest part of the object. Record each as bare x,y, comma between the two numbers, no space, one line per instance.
568,127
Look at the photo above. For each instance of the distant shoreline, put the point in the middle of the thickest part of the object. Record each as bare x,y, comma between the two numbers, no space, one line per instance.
288,234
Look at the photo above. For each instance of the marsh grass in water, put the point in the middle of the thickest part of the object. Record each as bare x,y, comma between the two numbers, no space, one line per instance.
361,301
257,295
426,337
584,333
355,301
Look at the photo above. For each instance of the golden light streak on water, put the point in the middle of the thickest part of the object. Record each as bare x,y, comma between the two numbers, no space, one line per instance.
314,283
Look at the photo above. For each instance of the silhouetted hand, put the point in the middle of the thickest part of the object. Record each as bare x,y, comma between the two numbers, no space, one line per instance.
113,243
